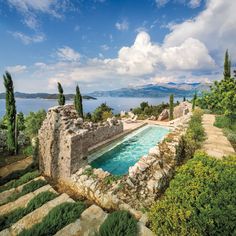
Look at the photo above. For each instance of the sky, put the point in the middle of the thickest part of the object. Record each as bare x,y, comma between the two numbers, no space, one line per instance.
110,44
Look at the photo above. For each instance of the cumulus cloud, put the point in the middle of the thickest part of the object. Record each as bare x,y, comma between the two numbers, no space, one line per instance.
145,57
26,39
122,26
215,27
16,69
68,54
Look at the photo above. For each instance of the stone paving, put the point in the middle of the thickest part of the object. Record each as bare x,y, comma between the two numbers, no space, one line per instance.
216,144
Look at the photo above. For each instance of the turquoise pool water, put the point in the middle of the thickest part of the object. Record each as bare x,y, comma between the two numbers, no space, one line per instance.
117,158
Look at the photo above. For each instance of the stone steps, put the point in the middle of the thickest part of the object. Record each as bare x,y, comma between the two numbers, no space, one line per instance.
19,165
5,194
36,216
216,144
88,223
24,200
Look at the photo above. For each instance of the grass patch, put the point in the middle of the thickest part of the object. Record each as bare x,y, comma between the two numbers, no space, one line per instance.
200,199
17,174
30,187
22,180
7,220
57,218
119,223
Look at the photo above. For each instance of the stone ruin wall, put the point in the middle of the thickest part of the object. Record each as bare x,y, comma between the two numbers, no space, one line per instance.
64,140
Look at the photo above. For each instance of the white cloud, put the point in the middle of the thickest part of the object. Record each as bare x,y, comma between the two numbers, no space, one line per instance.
190,3
68,54
215,27
16,69
26,39
161,3
122,26
31,8
190,55
145,57
194,3
105,47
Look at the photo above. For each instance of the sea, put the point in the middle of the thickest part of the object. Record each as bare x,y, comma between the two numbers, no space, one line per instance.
117,103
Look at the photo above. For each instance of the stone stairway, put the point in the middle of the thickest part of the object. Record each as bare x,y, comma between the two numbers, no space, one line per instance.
216,144
88,223
15,166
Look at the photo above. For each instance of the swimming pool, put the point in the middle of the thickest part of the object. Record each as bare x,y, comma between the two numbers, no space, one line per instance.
118,157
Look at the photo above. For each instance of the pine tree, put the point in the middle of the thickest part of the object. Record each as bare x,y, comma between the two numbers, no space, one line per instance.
10,114
171,107
194,101
78,102
61,96
227,66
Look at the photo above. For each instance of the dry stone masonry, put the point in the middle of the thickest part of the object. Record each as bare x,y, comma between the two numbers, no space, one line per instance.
64,140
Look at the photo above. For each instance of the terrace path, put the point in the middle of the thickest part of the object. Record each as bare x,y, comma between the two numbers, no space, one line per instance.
216,144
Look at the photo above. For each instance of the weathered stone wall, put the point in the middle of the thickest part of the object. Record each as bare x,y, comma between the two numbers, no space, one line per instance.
144,182
64,140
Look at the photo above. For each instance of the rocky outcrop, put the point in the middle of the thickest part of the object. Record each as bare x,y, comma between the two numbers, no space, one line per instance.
164,115
64,140
180,110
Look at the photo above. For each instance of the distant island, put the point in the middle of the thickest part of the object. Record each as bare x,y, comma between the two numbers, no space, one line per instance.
156,90
45,96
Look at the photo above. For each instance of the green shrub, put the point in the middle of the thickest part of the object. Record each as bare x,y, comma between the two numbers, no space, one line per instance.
30,187
200,199
28,151
9,219
17,182
57,218
119,223
111,178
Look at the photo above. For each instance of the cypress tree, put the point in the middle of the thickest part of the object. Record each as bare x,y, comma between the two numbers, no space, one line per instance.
227,66
61,96
171,107
194,101
78,102
10,114
184,99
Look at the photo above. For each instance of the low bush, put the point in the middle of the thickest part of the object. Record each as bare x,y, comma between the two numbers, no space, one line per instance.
193,138
57,218
30,187
200,199
25,176
9,219
119,223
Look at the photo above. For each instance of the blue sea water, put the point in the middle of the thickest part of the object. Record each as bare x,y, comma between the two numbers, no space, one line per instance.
117,103
118,159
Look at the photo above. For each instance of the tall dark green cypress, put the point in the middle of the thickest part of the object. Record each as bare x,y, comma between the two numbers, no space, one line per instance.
10,114
61,96
227,66
78,102
194,101
171,107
